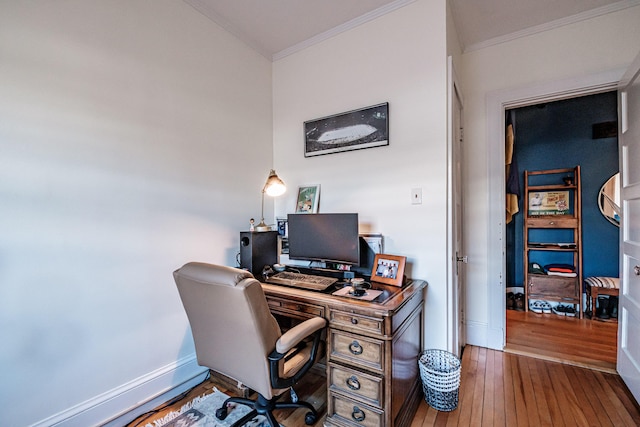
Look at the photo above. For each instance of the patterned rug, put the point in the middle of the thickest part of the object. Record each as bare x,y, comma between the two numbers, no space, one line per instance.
201,412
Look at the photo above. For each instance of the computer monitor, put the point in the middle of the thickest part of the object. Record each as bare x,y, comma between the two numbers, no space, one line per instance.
324,237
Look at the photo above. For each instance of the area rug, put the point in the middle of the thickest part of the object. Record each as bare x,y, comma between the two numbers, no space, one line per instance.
201,412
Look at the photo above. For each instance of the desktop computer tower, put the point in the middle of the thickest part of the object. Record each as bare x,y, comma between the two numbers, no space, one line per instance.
258,249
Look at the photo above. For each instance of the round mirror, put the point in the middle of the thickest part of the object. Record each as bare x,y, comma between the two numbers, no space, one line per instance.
609,200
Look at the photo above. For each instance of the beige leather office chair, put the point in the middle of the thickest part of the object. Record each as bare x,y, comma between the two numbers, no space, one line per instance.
236,335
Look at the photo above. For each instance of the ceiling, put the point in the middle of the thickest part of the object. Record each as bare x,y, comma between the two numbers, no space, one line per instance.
277,28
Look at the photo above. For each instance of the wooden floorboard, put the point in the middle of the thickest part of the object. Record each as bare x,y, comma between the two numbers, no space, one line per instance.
581,342
497,389
555,371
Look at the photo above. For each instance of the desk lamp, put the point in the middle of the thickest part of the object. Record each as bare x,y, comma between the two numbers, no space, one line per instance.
273,187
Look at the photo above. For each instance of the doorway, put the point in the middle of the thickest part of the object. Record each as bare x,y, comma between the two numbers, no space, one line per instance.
497,103
554,135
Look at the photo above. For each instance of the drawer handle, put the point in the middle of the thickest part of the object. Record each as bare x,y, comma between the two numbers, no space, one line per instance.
357,414
552,223
636,270
354,320
353,383
355,348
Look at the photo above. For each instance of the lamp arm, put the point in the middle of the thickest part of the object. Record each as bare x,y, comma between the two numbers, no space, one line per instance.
262,226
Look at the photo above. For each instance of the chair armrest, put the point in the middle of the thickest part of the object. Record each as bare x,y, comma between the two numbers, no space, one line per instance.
311,327
293,336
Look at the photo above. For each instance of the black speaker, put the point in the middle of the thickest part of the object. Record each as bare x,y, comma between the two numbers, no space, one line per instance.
258,249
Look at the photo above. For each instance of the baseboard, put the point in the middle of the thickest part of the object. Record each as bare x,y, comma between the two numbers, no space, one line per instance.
476,333
480,335
124,403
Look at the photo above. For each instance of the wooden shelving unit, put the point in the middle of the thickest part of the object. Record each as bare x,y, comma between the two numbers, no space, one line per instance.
553,203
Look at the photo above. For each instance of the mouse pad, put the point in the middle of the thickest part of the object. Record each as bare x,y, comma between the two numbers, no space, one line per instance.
369,295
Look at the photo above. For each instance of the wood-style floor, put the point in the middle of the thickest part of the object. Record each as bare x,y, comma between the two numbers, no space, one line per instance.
497,389
581,342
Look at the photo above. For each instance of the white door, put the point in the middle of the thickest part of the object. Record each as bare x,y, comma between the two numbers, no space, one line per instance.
456,253
629,305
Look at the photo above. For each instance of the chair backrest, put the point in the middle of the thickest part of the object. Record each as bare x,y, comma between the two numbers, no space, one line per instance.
232,326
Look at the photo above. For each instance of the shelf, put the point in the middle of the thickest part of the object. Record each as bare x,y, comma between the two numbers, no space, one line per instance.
552,187
559,221
563,247
561,211
550,248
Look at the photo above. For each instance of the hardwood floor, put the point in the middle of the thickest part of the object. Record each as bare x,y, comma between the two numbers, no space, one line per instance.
580,342
497,389
505,389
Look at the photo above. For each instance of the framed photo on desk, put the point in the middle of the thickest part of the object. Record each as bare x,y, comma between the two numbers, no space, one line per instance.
388,269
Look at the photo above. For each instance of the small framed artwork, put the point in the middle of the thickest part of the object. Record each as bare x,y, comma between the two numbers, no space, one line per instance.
308,199
353,130
388,269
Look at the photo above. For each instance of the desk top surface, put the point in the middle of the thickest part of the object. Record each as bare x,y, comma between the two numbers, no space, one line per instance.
391,298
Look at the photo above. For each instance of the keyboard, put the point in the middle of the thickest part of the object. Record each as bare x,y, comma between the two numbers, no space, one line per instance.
304,281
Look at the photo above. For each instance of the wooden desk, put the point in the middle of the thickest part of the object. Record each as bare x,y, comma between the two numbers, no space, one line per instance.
373,377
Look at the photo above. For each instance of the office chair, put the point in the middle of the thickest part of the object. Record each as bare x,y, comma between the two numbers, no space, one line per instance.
236,335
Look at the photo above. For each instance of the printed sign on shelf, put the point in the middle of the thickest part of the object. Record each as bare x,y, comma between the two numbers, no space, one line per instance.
549,203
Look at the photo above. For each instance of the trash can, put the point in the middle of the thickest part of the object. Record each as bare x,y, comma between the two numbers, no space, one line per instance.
440,374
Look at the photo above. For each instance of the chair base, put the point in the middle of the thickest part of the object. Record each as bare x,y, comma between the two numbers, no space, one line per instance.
265,407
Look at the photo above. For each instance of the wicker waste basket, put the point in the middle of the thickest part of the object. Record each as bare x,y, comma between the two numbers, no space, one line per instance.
440,373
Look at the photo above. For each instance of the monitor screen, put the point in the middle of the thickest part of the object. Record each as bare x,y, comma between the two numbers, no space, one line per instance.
330,237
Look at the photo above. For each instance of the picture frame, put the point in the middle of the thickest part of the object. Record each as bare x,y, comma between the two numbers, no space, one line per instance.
548,203
388,269
353,130
308,199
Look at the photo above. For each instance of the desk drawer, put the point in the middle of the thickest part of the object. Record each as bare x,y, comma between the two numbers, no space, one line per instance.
557,221
356,350
363,324
350,412
294,307
356,384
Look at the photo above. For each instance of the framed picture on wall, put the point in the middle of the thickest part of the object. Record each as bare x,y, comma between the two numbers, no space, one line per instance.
354,130
388,269
308,199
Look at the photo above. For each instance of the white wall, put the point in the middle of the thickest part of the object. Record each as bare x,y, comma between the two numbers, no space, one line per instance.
123,126
574,51
399,58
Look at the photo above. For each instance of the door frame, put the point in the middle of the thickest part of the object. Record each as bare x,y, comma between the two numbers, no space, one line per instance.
497,103
456,338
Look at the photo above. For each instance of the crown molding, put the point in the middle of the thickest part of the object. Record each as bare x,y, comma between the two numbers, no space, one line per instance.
204,8
593,13
370,16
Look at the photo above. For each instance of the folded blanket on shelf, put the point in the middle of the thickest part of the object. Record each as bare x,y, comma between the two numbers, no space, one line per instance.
558,273
560,268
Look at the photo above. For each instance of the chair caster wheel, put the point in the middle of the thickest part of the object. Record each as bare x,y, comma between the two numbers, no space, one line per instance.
221,413
310,418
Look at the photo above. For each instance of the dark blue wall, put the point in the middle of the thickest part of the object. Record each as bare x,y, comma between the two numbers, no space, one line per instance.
559,135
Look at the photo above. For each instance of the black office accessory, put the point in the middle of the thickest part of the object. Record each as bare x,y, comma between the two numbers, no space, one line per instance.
258,250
